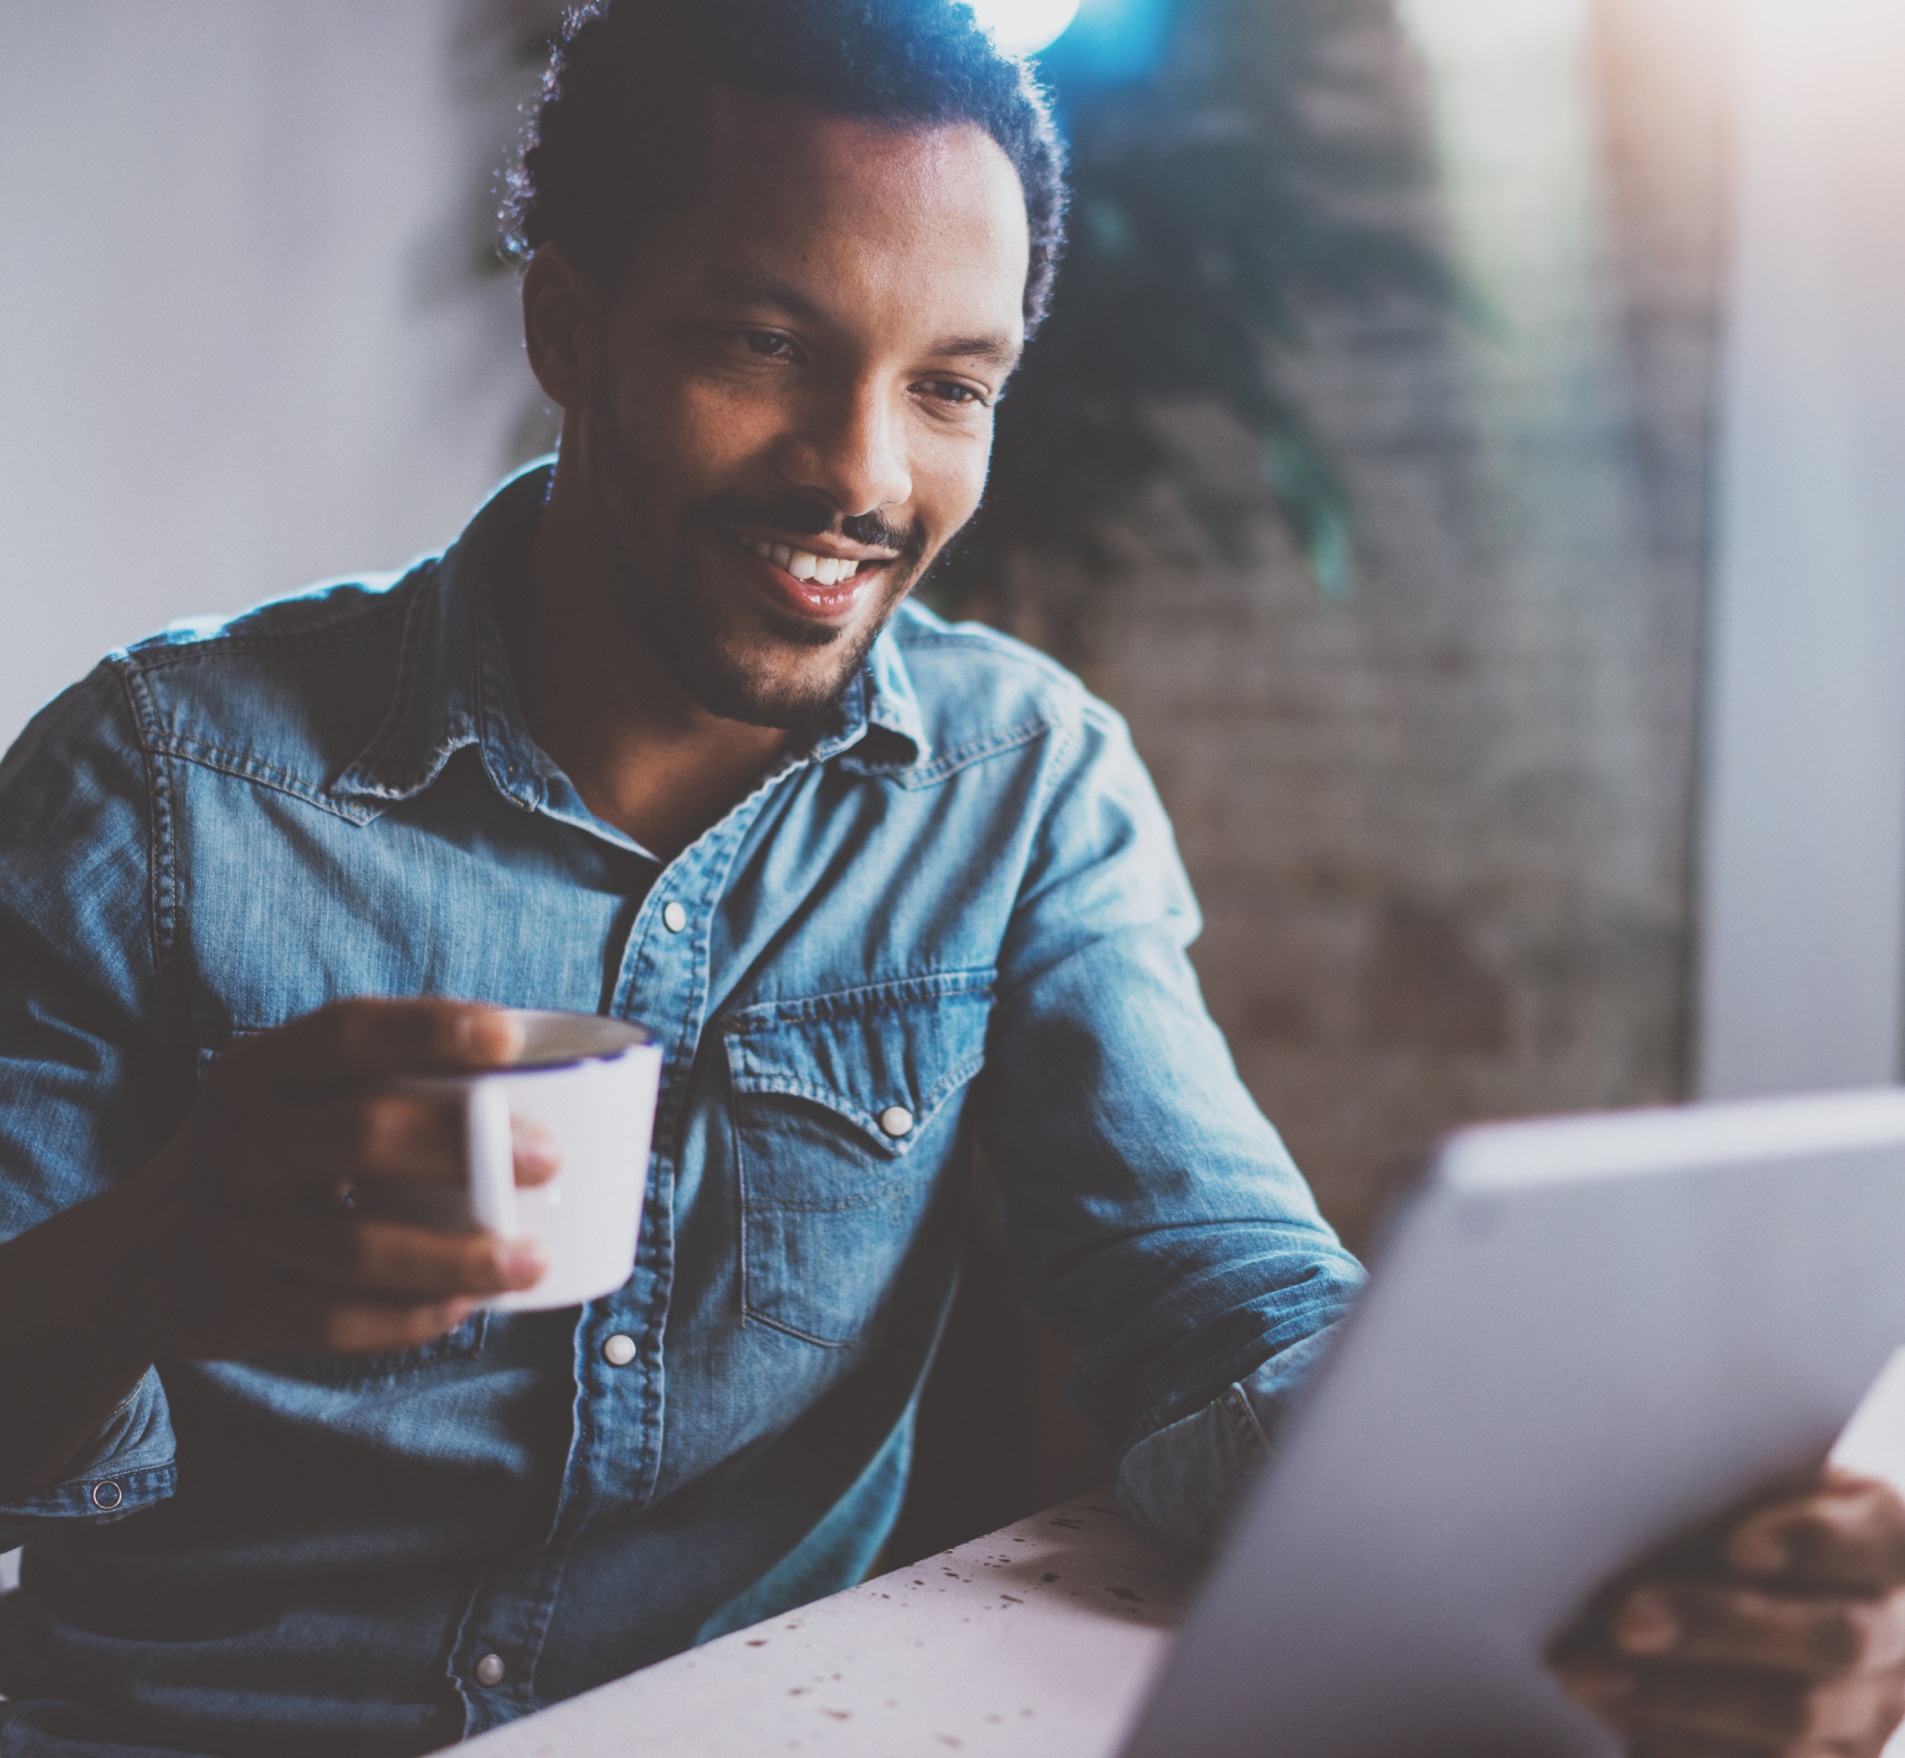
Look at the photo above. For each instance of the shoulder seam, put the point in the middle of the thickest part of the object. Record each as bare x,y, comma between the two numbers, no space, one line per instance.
162,897
155,653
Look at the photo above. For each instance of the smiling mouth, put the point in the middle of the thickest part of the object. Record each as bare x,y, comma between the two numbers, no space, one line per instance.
805,566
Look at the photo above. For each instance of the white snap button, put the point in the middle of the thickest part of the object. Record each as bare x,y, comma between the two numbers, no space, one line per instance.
618,1350
490,1670
107,1496
896,1120
673,917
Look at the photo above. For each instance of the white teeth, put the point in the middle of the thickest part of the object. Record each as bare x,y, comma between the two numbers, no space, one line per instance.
823,570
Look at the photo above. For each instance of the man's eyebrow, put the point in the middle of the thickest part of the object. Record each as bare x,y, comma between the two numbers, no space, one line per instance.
994,350
752,284
1000,351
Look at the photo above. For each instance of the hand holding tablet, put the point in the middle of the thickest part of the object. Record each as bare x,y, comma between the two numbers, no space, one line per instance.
1782,1633
1601,1363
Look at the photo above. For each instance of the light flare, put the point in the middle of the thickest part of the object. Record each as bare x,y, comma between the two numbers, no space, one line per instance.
1023,27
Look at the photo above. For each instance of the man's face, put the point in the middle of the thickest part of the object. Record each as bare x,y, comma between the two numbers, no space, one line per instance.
791,409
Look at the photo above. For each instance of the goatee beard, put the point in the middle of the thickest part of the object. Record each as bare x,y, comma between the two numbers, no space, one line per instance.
674,616
670,615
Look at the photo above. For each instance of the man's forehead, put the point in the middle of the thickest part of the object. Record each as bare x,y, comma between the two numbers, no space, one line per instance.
811,212
938,161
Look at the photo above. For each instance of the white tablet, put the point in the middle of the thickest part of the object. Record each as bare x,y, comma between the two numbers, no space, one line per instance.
1580,1336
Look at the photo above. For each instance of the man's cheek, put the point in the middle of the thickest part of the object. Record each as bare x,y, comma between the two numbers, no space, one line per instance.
720,433
949,506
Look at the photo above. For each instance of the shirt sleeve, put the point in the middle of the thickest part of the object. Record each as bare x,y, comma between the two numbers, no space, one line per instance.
1156,1220
1183,1483
92,1081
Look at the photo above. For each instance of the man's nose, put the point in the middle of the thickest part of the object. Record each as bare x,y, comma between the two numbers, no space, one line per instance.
852,450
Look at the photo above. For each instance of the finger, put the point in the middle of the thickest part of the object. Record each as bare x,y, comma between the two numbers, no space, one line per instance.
538,1155
1654,1714
322,1149
1779,1714
1608,1691
368,1038
1601,1685
364,1327
1811,1636
1848,1533
254,1308
351,1255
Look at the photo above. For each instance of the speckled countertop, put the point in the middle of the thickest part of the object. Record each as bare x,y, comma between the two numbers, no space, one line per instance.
1038,1639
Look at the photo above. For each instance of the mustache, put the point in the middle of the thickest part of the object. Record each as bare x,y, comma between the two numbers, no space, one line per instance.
810,516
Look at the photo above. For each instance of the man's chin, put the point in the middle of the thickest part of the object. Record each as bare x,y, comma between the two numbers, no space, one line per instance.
763,690
746,660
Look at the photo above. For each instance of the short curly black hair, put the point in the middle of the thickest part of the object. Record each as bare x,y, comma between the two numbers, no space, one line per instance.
612,141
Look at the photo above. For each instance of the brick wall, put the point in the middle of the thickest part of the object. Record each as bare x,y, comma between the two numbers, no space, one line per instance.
1441,832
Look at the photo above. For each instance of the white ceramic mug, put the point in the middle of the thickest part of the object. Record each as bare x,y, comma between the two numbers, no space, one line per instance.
591,1083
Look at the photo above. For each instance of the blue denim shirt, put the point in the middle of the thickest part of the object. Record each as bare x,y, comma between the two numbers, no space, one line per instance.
960,898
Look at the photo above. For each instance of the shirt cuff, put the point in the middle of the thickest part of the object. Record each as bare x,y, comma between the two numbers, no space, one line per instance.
128,1464
1183,1482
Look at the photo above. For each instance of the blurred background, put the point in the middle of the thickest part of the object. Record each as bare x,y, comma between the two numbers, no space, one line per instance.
1469,446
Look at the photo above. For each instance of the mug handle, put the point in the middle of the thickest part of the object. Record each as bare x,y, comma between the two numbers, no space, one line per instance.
491,1154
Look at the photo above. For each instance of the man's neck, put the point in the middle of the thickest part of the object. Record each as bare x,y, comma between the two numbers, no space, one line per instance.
644,755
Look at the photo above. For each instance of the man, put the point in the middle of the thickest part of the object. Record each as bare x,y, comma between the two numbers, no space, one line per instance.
660,736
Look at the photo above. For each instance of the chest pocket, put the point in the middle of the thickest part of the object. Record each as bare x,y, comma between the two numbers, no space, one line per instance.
845,1114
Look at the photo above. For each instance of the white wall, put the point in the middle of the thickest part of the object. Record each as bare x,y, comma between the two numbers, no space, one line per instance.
238,350
1803,883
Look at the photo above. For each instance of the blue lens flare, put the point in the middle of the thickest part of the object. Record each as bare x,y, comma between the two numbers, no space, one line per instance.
1113,42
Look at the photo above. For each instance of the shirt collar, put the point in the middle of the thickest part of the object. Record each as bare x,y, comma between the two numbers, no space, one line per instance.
876,727
453,681
454,687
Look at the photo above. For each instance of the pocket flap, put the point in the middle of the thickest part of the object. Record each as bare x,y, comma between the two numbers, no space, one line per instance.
870,1054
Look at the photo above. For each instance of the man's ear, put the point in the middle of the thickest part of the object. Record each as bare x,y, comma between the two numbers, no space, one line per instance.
563,313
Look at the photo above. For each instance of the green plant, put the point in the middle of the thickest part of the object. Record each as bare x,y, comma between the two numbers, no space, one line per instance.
1251,176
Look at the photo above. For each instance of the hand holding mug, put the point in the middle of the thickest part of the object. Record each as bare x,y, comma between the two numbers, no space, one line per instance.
259,1235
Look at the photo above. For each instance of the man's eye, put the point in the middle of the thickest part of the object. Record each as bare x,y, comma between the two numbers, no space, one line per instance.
767,343
950,390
